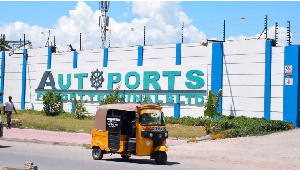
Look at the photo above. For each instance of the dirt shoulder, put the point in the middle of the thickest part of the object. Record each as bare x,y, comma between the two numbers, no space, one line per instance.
276,151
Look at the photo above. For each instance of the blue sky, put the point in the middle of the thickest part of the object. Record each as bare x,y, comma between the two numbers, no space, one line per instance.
204,19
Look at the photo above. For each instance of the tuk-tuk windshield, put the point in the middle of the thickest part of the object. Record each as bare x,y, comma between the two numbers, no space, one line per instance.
154,118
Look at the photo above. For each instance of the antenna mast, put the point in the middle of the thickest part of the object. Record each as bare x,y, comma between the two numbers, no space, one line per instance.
103,20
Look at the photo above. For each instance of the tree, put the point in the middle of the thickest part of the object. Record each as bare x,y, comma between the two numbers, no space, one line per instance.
211,108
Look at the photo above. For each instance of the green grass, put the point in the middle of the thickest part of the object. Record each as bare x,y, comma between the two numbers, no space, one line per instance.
186,127
68,123
184,131
64,122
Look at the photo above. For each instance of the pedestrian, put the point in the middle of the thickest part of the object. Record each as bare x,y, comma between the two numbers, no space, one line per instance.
7,109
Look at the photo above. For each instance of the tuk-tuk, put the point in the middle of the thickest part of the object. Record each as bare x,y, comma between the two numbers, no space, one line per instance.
130,129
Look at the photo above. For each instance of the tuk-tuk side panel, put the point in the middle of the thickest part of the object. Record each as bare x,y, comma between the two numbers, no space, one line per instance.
100,138
123,137
122,146
144,147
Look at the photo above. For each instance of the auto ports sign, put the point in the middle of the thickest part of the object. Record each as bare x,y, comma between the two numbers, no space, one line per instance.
165,84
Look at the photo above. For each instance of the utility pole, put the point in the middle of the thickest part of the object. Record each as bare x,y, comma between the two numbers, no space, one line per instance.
224,31
289,32
276,33
182,33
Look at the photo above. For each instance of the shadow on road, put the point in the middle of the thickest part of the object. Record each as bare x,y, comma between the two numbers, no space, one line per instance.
140,161
4,146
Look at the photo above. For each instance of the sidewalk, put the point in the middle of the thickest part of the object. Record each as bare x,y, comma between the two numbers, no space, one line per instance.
64,138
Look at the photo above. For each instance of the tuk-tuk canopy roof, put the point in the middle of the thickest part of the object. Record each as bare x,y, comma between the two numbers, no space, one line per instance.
100,119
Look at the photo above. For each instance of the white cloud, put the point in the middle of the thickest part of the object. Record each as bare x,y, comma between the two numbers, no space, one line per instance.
15,31
163,21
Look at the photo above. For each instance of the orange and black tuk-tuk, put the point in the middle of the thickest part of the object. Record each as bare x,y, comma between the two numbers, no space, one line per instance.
130,129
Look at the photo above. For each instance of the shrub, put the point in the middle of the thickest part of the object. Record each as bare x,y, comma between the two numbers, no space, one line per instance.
244,126
189,121
235,126
112,98
78,108
52,103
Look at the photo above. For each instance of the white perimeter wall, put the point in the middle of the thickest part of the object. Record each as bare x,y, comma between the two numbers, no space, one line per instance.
243,78
243,73
277,74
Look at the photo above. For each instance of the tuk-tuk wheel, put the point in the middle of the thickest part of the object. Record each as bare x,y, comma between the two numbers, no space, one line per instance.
161,157
97,153
125,157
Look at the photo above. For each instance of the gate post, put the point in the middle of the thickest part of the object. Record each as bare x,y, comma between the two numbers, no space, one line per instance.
2,76
267,94
291,94
24,79
217,71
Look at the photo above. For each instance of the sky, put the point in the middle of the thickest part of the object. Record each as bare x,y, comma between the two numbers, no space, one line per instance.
201,20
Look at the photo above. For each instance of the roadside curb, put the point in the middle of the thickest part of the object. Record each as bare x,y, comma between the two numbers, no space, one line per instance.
213,137
207,137
43,142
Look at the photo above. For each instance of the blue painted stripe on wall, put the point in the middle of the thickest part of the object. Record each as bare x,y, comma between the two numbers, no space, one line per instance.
23,80
75,59
140,56
73,108
176,110
217,71
74,66
291,97
2,76
178,54
105,57
178,62
49,57
267,97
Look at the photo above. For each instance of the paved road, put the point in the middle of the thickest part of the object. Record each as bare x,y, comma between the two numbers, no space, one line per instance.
52,157
275,151
65,138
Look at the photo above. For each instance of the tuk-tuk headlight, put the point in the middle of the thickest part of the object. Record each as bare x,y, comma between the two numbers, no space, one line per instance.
151,135
166,134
